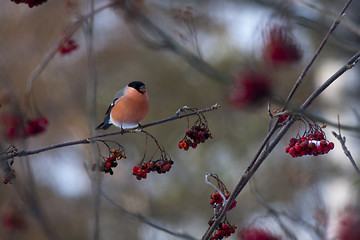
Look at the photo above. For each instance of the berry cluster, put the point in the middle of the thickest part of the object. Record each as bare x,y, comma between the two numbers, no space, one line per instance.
160,166
282,116
31,3
280,46
216,200
13,220
257,234
223,231
35,126
313,144
195,135
67,46
348,226
249,88
13,127
110,163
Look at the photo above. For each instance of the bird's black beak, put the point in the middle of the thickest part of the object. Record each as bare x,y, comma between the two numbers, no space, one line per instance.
142,89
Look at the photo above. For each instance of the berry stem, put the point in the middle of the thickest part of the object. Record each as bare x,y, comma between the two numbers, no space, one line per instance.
207,181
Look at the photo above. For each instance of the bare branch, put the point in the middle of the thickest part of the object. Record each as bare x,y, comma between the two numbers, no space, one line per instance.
146,220
5,156
70,30
345,149
316,54
272,212
154,37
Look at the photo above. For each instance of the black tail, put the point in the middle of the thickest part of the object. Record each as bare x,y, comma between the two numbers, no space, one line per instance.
103,126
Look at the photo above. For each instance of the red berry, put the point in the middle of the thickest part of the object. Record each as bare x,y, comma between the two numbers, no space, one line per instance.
292,150
303,144
225,226
287,149
319,148
108,165
311,145
233,204
67,46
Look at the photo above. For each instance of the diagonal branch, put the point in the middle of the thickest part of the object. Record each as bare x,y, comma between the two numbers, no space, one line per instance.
158,39
146,220
345,149
316,54
70,30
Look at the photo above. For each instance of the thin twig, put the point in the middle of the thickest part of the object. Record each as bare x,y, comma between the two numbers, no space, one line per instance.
163,41
71,29
316,54
272,211
345,149
351,25
146,220
5,156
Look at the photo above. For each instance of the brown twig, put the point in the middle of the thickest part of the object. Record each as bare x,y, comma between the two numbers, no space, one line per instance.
70,30
146,220
88,140
316,54
342,141
158,39
272,211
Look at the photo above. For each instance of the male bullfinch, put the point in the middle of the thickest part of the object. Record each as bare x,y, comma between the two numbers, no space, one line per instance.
129,107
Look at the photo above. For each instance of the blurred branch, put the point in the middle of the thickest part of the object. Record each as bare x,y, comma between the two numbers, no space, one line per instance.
154,37
5,156
146,220
91,102
346,21
70,30
272,211
345,149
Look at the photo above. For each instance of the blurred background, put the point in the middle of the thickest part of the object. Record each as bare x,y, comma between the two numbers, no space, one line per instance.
255,51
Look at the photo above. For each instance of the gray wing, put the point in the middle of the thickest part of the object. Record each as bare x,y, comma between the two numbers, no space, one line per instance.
118,95
105,124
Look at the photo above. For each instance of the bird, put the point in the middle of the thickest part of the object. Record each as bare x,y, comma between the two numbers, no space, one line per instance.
129,107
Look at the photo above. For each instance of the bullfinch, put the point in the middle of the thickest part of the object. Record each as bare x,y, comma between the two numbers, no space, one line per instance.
129,107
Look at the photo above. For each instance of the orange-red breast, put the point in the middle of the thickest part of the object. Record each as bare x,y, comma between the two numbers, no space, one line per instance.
129,107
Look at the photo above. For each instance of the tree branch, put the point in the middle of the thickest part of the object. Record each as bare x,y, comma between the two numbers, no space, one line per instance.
5,156
146,220
161,40
316,54
345,149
